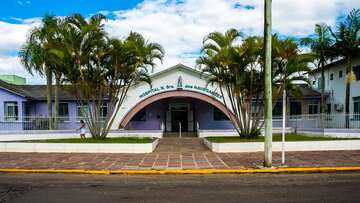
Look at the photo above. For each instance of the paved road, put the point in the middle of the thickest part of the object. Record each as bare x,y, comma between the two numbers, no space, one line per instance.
343,187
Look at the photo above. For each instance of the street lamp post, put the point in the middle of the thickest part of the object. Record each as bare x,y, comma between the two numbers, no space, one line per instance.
268,84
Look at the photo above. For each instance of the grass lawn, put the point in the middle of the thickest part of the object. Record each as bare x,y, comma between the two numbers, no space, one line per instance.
276,137
90,140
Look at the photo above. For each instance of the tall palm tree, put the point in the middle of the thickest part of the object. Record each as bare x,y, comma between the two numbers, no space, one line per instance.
232,68
320,45
289,66
347,46
35,55
99,67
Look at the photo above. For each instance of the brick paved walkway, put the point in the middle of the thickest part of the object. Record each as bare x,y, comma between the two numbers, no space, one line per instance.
190,153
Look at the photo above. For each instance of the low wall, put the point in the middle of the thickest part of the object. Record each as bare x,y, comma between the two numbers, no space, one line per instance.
330,132
289,146
232,132
67,134
79,148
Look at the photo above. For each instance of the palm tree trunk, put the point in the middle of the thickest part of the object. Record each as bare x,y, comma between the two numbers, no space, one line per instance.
57,86
48,96
347,92
322,105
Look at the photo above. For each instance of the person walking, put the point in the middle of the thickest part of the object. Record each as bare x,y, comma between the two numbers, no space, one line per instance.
82,129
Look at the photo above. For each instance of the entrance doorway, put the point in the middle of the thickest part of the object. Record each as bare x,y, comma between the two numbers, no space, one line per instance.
177,118
179,113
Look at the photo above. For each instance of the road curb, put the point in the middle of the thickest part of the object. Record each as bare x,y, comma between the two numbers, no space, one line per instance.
186,171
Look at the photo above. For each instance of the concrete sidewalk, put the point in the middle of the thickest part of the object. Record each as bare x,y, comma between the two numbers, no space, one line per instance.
177,160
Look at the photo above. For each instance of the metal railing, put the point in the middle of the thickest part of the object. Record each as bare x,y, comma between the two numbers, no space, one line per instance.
320,121
71,123
39,123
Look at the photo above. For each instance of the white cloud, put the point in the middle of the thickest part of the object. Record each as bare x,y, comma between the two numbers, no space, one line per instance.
12,36
11,65
180,26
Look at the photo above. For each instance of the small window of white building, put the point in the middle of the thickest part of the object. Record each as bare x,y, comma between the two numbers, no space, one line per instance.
332,76
11,111
340,74
357,108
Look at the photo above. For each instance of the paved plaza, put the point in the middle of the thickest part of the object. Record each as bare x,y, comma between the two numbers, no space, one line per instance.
172,153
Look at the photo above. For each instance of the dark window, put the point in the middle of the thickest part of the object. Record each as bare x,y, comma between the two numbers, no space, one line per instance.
314,107
219,115
331,76
314,82
11,111
357,108
104,110
328,109
340,74
277,111
64,111
295,108
140,116
356,70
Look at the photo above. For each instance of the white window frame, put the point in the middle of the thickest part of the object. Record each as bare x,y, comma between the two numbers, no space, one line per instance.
312,104
79,112
8,117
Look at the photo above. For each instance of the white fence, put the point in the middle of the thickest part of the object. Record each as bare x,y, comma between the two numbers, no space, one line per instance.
38,123
325,121
314,121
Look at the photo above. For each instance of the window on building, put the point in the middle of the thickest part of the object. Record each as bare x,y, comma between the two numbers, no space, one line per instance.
277,111
314,107
328,108
11,111
356,70
319,83
332,76
219,115
340,74
64,111
295,108
314,82
140,116
104,110
82,111
357,108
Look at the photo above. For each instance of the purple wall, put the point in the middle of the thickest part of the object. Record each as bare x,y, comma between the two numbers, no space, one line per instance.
203,114
9,96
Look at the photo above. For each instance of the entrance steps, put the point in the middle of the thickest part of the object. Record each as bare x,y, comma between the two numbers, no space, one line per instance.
183,134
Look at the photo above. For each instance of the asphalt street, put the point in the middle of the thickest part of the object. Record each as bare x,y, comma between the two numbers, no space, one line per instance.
333,187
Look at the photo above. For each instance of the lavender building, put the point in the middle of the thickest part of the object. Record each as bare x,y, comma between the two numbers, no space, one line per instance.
179,96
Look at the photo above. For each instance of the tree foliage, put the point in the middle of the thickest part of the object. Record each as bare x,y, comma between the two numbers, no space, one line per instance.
236,64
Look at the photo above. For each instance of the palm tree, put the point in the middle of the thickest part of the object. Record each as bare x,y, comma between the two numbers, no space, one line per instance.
101,70
232,68
347,46
290,66
320,45
130,63
35,55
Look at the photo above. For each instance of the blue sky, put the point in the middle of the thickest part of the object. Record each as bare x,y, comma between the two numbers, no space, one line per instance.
178,25
35,8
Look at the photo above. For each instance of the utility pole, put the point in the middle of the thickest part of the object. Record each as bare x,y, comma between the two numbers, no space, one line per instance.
283,128
268,84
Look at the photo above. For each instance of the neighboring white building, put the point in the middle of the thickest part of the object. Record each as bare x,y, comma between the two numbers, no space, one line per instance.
335,77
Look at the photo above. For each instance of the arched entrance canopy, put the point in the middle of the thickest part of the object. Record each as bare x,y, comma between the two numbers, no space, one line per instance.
175,93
